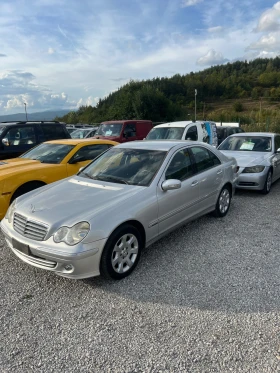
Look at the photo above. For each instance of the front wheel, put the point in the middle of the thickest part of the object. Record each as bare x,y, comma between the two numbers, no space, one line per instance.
121,253
223,203
267,184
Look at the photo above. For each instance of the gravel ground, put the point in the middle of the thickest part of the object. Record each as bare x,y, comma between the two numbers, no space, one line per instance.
203,299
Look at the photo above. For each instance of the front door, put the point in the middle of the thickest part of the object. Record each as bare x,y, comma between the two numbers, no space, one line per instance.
20,139
177,206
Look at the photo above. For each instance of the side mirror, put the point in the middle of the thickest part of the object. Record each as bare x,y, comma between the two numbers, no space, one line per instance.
5,142
171,184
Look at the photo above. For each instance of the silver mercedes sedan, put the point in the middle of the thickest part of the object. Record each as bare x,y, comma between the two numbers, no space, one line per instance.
98,221
258,158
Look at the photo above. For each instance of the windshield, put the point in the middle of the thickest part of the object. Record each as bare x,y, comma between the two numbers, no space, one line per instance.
113,129
48,153
247,143
80,133
2,129
126,166
163,133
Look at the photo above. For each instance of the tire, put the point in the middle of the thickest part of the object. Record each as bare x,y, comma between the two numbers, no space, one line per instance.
223,203
118,261
267,184
25,188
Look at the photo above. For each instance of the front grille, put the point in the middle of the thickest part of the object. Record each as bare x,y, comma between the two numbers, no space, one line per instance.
30,228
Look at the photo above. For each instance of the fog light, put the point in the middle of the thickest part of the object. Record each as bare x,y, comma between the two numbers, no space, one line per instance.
68,267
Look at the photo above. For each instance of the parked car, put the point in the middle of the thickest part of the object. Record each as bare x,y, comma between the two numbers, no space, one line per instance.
225,131
83,133
18,137
124,130
44,164
258,158
186,130
73,127
99,220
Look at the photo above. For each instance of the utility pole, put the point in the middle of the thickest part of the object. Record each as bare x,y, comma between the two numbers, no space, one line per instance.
260,110
25,111
195,94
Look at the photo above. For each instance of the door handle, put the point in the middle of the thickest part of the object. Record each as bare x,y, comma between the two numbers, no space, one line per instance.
219,172
194,183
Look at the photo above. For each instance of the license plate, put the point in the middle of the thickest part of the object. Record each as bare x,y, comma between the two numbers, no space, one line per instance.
21,247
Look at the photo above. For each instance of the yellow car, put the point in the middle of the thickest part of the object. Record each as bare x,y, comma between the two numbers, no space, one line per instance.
44,164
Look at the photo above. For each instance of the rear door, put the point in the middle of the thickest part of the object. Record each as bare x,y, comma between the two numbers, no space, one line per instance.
209,173
177,206
53,131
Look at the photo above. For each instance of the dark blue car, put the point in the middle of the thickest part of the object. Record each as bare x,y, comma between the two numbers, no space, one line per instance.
18,137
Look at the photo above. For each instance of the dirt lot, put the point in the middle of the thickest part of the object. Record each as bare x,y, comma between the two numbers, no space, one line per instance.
203,299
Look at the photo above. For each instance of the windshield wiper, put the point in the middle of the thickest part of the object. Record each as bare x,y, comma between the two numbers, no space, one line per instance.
111,178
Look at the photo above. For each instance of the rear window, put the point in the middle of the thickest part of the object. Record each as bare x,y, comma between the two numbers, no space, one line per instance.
53,131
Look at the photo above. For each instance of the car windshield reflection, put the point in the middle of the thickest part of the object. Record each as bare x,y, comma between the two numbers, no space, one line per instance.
247,143
126,166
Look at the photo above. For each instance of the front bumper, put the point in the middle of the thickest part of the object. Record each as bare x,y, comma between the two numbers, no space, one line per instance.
84,258
254,181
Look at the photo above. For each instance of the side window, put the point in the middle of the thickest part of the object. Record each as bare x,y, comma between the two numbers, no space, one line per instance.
130,130
204,158
21,136
53,131
89,152
277,143
231,131
180,167
191,133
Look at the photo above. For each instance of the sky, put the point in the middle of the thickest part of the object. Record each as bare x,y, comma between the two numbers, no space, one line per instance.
61,54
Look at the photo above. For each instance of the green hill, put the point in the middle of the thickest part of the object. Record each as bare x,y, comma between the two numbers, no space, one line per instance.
248,92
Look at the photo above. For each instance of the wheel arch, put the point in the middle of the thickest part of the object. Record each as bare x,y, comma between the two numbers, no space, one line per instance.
26,186
139,226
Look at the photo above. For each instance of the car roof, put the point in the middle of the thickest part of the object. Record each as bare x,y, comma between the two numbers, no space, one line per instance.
255,134
27,123
81,141
182,124
125,120
162,145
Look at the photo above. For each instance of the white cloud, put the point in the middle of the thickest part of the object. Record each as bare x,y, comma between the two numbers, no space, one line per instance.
269,20
267,42
89,101
51,51
215,29
211,58
186,3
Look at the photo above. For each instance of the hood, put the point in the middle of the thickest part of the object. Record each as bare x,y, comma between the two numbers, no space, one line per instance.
74,199
112,138
20,165
247,159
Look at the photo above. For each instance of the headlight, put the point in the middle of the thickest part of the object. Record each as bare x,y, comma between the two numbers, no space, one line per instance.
10,212
73,235
253,170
